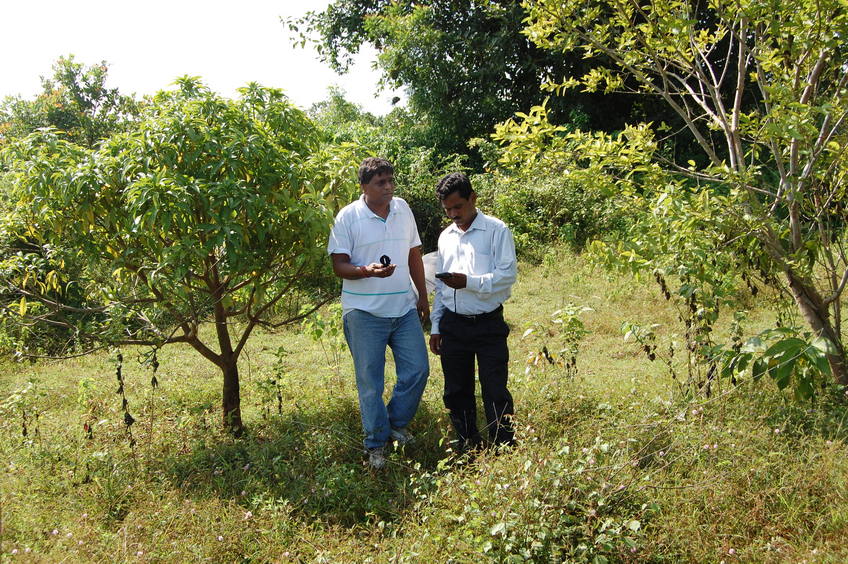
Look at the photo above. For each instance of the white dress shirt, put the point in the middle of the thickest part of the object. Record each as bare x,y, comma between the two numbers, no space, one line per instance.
485,253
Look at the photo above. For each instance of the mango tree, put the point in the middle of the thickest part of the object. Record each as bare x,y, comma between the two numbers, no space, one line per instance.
211,210
762,89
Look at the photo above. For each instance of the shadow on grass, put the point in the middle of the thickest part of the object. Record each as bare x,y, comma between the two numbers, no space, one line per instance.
314,462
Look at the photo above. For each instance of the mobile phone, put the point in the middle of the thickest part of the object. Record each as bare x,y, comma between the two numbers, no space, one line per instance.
443,275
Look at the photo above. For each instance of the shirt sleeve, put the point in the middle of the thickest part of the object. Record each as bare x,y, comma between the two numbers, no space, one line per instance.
340,239
414,237
504,270
438,309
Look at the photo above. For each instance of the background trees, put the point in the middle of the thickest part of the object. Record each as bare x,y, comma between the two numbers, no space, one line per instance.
465,64
761,88
209,210
74,100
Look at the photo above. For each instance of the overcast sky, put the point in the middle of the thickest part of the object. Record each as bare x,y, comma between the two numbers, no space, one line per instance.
149,44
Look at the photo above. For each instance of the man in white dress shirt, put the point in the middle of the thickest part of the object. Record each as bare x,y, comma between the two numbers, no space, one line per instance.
476,270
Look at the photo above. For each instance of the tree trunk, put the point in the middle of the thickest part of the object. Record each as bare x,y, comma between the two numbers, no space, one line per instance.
817,315
231,403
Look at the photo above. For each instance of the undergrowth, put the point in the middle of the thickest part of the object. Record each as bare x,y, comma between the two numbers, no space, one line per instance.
613,462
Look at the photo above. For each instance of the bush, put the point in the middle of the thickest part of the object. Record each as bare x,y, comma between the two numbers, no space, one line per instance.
547,209
417,178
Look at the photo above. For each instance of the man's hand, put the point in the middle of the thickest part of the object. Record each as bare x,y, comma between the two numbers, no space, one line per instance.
377,270
423,307
436,344
456,280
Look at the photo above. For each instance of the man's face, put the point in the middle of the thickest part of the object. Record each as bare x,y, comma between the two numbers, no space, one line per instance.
380,189
460,210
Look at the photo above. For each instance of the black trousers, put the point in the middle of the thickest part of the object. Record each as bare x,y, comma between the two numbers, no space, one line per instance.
463,340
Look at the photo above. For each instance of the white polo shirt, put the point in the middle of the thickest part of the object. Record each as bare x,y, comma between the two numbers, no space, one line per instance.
365,236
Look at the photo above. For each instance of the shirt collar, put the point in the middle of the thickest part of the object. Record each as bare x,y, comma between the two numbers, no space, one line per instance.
479,222
392,207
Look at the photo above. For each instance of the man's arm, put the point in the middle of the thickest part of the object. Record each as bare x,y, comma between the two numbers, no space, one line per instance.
416,272
437,312
349,271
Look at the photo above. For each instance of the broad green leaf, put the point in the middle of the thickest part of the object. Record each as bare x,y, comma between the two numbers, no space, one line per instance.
759,368
825,345
782,373
819,361
803,389
792,346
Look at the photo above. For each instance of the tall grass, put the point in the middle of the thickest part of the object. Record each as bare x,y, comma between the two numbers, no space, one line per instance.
613,464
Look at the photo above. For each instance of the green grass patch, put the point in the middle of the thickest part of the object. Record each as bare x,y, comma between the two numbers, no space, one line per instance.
613,464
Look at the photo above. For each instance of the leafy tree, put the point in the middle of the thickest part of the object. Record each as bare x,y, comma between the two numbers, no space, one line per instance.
776,169
465,64
402,139
75,100
210,210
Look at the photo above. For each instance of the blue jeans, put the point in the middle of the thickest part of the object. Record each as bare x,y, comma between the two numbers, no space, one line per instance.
367,337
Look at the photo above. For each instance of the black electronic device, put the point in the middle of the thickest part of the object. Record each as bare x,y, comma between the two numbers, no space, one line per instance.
385,260
443,275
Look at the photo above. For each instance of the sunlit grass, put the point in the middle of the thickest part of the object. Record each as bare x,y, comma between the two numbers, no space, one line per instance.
613,463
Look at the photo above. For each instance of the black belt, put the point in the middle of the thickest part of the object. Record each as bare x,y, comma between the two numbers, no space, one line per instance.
494,313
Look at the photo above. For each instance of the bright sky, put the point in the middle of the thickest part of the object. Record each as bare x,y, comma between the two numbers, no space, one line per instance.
149,44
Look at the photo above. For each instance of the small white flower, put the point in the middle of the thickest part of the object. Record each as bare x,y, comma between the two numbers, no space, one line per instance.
54,532
246,467
69,535
140,553
248,514
731,551
14,551
220,538
243,493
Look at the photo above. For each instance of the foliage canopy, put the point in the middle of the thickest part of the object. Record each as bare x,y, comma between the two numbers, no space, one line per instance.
212,209
762,88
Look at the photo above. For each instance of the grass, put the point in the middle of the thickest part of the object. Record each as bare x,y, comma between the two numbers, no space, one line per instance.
614,464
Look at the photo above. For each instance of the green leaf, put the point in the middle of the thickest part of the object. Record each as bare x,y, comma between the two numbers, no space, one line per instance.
804,389
818,360
793,346
753,344
825,345
782,373
758,368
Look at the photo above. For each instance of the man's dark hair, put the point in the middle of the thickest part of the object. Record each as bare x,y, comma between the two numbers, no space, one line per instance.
454,182
372,166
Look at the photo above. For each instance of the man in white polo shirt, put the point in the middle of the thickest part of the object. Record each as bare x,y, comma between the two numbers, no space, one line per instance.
476,268
376,250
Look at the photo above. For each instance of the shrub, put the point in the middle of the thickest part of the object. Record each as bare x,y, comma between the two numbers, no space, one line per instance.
547,209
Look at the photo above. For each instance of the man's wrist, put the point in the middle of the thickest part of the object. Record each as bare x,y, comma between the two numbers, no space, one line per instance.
363,270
